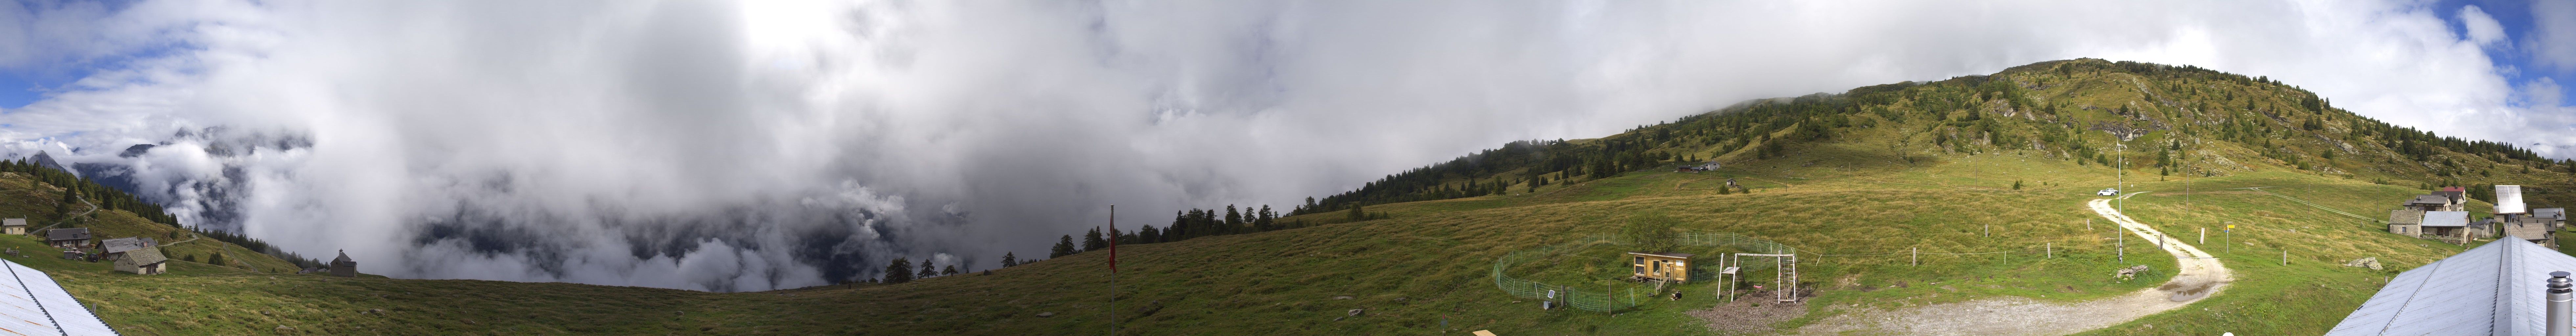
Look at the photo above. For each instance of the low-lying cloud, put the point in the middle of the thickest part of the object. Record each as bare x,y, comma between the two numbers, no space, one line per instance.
759,145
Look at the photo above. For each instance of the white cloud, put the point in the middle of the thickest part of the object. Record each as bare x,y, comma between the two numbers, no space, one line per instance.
776,142
2552,39
2480,28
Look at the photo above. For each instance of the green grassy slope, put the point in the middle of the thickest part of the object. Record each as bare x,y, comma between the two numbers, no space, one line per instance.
1929,166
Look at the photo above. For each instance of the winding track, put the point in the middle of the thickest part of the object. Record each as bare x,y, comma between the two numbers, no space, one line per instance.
2201,276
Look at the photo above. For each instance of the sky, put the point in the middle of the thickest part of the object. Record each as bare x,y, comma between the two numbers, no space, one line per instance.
743,146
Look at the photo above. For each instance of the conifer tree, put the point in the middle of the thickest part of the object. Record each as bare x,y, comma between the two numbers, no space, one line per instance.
1063,247
926,271
1009,260
898,271
1233,219
1092,242
951,270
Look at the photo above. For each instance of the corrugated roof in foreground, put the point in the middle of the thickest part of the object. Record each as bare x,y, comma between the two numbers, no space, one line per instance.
2490,290
32,304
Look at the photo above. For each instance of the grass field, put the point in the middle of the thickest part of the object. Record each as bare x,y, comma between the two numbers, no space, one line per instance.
1425,270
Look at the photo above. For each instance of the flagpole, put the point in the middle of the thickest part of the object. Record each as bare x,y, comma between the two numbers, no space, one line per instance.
1113,270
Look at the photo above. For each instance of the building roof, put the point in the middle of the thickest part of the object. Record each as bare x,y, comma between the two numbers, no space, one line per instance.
2428,200
2446,219
2494,289
343,259
144,257
2455,189
34,304
1665,254
67,234
2406,216
13,222
2551,213
124,244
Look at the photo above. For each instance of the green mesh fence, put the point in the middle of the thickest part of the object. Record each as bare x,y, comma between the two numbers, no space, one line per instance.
1583,299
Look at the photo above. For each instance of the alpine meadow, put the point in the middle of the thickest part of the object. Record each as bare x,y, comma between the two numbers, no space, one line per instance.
1972,198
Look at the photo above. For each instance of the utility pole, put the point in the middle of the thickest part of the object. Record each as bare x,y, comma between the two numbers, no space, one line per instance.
2122,248
1113,270
2224,234
2120,174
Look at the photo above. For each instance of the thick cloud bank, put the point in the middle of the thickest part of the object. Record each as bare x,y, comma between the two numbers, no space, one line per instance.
755,145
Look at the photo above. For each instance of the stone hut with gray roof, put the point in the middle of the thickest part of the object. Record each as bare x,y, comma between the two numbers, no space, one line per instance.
2408,222
145,261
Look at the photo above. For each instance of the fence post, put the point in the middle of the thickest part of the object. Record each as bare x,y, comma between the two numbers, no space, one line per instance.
1918,256
2051,249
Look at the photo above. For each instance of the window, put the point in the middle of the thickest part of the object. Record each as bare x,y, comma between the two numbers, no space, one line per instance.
1640,261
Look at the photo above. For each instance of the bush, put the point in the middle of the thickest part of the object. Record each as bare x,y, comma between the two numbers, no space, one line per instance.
1651,232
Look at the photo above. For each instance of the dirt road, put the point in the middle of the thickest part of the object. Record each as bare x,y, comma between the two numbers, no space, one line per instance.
2201,277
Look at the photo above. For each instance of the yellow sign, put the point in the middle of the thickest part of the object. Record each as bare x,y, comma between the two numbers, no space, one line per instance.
2231,226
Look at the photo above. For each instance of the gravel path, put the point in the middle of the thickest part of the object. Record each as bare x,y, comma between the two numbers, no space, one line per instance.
2201,277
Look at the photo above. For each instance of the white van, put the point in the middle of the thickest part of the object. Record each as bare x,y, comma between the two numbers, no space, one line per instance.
2107,192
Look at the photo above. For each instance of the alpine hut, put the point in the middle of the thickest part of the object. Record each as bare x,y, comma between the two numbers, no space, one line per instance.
116,248
67,238
2452,226
145,261
2408,222
342,266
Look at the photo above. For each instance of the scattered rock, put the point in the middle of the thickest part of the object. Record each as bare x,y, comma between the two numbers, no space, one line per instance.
2130,272
469,321
264,312
376,311
283,329
1046,314
1344,297
1355,312
1339,318
2371,262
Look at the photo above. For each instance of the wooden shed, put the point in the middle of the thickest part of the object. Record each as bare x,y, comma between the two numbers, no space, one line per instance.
1673,267
15,226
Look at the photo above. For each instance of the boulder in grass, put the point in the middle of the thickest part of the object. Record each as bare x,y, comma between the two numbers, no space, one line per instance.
2371,262
1046,314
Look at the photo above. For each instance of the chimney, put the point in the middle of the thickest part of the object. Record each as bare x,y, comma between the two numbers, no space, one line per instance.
2562,300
